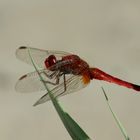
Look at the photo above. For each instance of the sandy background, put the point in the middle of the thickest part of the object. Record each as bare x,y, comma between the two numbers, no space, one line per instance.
104,33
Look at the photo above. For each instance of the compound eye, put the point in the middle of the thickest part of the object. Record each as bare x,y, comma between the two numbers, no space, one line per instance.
50,61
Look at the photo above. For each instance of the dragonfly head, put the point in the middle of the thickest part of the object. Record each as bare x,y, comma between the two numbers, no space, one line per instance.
50,61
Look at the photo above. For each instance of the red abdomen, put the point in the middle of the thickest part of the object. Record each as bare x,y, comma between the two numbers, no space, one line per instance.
100,75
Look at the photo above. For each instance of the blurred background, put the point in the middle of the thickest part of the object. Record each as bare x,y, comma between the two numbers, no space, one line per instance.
105,33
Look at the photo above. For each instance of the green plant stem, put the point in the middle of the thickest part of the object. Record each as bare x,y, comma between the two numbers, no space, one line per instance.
123,131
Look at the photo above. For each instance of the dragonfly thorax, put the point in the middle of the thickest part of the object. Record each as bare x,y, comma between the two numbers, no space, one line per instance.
73,64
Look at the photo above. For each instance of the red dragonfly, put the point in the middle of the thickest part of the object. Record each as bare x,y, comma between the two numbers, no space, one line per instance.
63,72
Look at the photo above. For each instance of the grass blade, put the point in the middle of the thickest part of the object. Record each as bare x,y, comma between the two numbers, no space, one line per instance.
123,131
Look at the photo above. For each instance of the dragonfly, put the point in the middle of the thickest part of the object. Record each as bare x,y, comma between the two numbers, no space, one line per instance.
63,72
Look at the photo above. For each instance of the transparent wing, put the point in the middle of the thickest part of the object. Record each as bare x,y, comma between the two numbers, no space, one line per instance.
38,55
30,82
73,84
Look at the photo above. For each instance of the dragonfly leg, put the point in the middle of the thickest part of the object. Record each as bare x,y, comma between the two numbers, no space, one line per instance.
64,77
51,76
65,88
57,79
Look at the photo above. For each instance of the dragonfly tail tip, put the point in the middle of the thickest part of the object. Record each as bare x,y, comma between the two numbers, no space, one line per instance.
136,87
